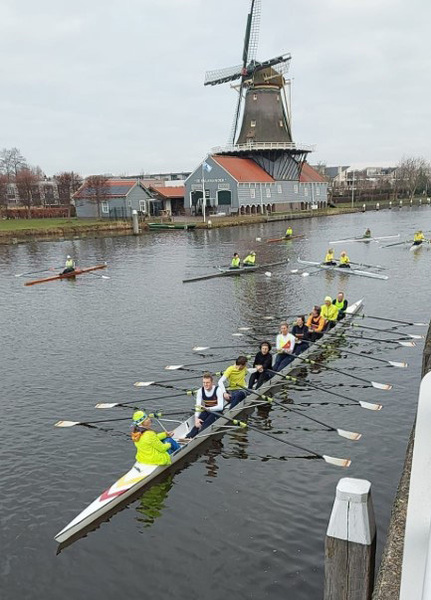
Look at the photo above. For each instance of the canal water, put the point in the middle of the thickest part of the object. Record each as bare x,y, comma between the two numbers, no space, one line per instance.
247,518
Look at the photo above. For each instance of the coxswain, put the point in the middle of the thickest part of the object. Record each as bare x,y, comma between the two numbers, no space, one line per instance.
329,312
236,261
367,233
262,362
341,303
315,324
300,331
289,233
250,260
418,238
285,344
329,258
233,380
69,266
152,448
209,399
344,261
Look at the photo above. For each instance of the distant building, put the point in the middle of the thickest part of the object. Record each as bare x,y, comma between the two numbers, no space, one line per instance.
171,198
121,197
45,194
236,185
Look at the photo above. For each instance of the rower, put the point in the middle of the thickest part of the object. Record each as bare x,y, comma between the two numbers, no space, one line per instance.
367,233
300,331
152,448
234,379
69,266
315,324
329,258
341,303
262,362
285,343
289,233
344,261
250,260
329,312
418,238
208,399
236,261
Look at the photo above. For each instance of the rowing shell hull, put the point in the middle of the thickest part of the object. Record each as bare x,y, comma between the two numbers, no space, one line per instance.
415,247
226,272
345,271
365,239
134,481
67,275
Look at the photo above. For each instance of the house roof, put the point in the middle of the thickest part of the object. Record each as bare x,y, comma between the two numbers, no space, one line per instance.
116,187
310,175
244,170
172,191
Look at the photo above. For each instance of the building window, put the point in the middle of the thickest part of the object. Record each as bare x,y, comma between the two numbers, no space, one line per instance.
254,96
253,124
281,123
105,207
279,189
268,192
252,192
295,188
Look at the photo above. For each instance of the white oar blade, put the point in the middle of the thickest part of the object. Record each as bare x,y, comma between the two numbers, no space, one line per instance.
370,406
416,337
200,348
105,277
407,344
268,273
106,405
294,270
381,386
305,274
268,318
244,328
66,423
258,239
237,334
143,383
349,435
417,324
173,367
399,365
338,462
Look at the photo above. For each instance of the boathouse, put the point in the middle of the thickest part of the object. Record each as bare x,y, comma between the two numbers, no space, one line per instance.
235,185
117,200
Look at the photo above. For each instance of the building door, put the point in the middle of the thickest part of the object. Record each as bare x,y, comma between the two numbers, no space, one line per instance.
224,198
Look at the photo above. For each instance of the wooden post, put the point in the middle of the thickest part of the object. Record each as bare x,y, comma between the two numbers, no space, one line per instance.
350,545
135,222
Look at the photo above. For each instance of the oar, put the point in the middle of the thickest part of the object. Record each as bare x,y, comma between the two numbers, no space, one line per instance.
132,403
161,383
339,462
98,275
417,324
400,342
379,386
410,335
367,405
40,271
350,435
397,244
151,415
369,266
399,365
200,364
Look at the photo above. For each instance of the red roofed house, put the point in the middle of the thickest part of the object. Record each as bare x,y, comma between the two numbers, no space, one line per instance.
172,198
120,197
237,185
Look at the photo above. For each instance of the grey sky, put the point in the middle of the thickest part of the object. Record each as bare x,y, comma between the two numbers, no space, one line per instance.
117,86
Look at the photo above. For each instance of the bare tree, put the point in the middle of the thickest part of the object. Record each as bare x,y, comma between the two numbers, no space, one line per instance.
3,192
68,183
27,182
97,190
410,172
11,162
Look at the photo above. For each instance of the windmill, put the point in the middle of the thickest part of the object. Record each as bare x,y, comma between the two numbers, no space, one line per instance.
265,133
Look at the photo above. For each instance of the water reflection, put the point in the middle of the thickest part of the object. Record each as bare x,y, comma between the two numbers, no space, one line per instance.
152,502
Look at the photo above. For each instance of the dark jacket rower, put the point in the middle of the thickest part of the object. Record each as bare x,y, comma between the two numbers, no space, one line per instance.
262,362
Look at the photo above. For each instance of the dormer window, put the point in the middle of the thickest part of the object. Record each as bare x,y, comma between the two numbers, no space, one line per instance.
253,124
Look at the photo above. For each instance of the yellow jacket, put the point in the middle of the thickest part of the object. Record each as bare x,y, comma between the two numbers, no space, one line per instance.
236,262
419,237
330,313
250,259
344,260
289,232
150,448
329,257
234,378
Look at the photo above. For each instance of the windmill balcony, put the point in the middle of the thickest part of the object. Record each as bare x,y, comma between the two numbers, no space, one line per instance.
259,146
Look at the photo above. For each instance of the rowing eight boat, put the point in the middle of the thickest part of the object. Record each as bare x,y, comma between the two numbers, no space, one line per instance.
344,270
366,239
226,272
139,477
70,275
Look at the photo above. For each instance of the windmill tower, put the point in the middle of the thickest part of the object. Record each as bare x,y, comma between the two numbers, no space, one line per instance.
265,132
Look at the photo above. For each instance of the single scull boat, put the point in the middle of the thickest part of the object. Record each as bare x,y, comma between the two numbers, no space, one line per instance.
343,270
67,275
139,477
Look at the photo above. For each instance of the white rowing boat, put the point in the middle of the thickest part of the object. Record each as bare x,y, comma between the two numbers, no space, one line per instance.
345,271
416,247
366,239
139,477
